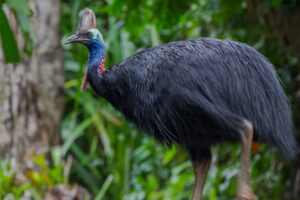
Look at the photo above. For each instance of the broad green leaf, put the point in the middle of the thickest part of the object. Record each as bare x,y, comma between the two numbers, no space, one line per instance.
9,44
23,12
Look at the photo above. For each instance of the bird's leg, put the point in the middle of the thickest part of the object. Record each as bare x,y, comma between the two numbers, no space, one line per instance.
201,171
245,191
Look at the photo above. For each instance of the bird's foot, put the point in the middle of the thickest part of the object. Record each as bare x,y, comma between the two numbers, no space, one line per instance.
245,193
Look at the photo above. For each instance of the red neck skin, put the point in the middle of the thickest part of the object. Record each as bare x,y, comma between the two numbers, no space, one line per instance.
102,67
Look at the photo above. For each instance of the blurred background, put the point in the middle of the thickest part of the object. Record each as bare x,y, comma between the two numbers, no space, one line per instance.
58,142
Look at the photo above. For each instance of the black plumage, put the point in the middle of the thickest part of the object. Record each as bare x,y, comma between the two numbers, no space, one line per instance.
197,93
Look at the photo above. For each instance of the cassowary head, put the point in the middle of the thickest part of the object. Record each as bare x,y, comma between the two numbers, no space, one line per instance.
86,32
90,36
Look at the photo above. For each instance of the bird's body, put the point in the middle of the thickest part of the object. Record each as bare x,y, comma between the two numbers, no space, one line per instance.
195,93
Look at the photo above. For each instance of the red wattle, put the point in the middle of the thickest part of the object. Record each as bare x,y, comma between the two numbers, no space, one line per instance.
255,147
84,81
102,67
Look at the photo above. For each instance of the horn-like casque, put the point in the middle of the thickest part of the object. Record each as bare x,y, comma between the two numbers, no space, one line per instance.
87,21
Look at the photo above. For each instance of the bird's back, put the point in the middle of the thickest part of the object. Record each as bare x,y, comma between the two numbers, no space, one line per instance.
197,92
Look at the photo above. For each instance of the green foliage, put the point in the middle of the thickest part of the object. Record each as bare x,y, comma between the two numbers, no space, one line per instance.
23,12
44,172
9,44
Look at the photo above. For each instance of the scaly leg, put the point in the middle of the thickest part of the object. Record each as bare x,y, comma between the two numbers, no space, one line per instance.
201,171
245,191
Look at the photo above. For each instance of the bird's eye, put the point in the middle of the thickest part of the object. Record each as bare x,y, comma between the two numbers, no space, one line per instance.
89,34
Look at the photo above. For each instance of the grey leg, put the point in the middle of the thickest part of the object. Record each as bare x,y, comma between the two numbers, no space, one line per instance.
245,191
201,171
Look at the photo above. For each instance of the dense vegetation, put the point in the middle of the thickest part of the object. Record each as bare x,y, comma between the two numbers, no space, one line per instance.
108,156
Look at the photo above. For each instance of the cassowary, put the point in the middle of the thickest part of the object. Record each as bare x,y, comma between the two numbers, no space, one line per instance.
195,93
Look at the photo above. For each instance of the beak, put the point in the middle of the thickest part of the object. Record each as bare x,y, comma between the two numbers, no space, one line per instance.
76,38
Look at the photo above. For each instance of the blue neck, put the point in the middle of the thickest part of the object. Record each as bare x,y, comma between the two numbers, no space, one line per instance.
97,51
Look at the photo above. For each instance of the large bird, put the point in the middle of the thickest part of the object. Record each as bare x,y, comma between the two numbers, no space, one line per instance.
195,93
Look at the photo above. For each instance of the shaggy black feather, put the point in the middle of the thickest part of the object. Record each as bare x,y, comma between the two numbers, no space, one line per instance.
197,93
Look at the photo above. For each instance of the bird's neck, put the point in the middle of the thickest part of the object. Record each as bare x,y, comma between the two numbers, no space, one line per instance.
97,54
96,64
100,79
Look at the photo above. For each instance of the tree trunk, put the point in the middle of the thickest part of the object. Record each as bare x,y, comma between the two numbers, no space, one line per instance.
31,99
